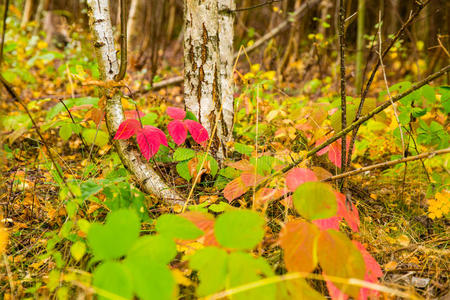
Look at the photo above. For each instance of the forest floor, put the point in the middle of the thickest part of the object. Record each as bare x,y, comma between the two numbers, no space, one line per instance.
394,203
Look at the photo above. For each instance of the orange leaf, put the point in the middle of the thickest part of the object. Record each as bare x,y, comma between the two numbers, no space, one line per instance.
243,165
234,189
298,240
205,222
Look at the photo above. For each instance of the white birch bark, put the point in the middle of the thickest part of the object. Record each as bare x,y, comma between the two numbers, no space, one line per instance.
208,63
149,181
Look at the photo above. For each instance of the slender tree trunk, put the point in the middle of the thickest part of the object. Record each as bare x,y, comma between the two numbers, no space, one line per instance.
360,44
147,178
208,67
27,10
135,24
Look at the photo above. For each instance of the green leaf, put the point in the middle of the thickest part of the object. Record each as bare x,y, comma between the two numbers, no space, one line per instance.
116,237
70,103
239,229
151,280
183,170
429,94
94,136
219,207
264,164
155,248
229,173
244,268
315,200
213,165
300,289
445,98
114,278
339,257
149,119
243,149
182,154
90,188
78,249
65,131
418,112
174,226
211,264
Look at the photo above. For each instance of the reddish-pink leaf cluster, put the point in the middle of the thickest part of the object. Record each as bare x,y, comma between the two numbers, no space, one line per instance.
179,127
149,138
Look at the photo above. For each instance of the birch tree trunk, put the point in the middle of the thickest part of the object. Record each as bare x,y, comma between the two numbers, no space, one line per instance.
208,67
149,181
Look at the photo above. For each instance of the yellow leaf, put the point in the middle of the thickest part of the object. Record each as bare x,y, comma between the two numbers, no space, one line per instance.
403,240
3,239
390,266
181,278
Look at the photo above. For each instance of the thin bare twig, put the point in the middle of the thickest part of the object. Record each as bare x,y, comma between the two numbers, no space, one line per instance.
389,163
394,107
343,84
123,41
5,15
250,7
73,121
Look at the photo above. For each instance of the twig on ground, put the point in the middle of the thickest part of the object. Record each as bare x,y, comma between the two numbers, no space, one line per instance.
390,163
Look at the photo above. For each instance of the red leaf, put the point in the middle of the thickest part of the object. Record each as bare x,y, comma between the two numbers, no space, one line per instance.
334,150
127,129
373,272
330,223
335,154
176,113
351,216
133,114
319,142
149,140
373,269
198,132
251,179
334,292
177,131
297,176
234,189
